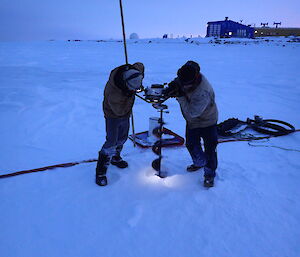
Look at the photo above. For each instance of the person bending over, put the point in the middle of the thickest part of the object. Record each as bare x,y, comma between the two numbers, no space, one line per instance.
119,96
197,102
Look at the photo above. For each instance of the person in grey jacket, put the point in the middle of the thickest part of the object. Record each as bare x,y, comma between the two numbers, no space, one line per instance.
119,96
197,102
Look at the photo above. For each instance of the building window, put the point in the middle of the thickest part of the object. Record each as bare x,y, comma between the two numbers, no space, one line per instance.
241,33
214,30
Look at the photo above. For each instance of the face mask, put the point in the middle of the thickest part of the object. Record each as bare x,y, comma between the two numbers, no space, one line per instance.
135,83
133,79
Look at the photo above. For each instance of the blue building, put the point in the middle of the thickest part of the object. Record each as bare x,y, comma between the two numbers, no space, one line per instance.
228,28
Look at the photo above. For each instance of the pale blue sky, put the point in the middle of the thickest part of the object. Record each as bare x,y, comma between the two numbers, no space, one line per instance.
100,19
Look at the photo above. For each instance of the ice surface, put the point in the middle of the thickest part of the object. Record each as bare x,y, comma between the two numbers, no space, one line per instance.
50,112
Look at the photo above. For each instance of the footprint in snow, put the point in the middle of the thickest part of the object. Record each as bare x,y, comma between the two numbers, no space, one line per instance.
113,177
138,212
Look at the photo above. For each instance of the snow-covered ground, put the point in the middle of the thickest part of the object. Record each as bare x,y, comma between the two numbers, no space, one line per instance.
50,113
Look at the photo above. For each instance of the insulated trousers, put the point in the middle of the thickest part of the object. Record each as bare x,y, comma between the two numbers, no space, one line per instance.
207,158
117,130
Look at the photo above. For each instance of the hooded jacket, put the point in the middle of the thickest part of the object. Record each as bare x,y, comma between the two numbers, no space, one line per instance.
118,100
198,106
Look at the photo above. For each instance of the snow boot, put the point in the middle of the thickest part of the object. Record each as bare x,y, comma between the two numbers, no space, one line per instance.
119,162
193,168
101,180
208,182
102,164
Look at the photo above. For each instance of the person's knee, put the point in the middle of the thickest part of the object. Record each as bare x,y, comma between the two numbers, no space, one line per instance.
210,146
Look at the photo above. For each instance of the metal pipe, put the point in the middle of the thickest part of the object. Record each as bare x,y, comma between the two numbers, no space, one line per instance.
123,30
126,60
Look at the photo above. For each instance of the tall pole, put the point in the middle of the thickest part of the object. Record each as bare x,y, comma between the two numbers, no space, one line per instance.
126,60
123,29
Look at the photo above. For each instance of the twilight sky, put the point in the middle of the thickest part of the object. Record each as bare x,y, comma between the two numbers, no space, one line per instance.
100,19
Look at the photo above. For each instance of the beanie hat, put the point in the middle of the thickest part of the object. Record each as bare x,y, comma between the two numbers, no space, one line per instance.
139,66
133,79
188,72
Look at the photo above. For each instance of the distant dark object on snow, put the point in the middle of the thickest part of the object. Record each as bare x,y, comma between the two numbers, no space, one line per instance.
276,32
134,36
165,36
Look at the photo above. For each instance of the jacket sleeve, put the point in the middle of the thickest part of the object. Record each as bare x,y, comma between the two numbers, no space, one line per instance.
195,106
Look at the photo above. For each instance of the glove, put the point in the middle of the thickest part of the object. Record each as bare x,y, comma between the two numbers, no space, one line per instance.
173,90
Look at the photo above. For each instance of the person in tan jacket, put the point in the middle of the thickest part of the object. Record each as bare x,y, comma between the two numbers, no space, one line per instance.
197,102
119,96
